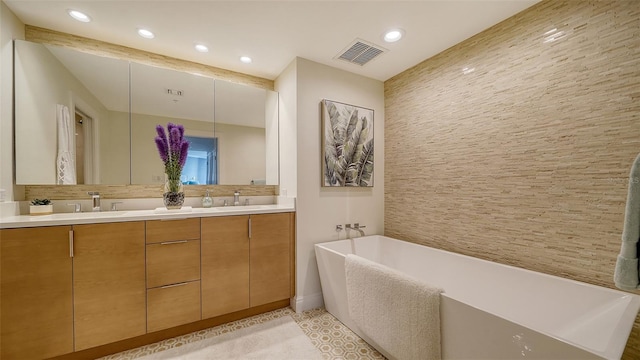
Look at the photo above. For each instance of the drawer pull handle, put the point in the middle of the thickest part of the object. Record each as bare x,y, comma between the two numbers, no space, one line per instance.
173,242
173,285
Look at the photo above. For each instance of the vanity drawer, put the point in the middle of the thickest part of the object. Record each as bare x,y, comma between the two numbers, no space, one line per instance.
173,305
173,262
170,230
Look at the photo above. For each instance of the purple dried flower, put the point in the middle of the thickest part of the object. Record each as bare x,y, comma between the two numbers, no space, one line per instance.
161,133
184,149
161,144
175,140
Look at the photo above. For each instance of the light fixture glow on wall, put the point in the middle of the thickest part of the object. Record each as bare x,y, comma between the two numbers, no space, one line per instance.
245,59
201,48
80,16
146,33
393,35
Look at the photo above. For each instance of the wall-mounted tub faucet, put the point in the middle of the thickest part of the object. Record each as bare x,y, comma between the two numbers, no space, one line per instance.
95,198
357,227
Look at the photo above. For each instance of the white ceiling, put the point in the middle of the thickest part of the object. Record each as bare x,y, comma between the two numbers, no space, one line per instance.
273,33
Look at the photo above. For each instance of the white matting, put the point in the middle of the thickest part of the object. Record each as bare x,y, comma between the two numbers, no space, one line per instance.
277,339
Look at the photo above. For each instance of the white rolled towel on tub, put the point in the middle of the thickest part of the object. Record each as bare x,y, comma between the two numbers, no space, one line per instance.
400,314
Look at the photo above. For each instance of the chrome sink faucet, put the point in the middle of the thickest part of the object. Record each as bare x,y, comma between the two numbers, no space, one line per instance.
95,197
236,198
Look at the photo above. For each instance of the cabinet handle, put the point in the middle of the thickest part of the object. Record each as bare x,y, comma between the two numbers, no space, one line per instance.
71,243
173,285
173,242
249,227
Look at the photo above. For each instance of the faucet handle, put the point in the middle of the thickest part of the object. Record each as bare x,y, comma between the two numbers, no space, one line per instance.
77,207
358,226
93,193
114,205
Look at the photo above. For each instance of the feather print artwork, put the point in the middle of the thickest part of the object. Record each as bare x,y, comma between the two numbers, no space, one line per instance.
347,145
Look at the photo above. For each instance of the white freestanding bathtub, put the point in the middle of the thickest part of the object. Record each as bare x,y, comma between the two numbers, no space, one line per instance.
493,311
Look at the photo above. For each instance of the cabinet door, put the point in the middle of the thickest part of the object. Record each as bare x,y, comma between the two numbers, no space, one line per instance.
270,258
225,265
109,283
36,292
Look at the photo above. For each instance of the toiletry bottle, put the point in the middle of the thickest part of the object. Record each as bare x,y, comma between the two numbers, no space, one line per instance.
207,201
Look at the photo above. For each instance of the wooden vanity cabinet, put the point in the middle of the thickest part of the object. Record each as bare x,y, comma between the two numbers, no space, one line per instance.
225,265
246,261
66,289
173,273
108,283
36,293
271,239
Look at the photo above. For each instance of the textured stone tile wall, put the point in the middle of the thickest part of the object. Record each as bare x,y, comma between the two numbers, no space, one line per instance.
515,146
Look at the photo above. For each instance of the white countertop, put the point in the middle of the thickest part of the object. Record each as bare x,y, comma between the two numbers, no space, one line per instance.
24,221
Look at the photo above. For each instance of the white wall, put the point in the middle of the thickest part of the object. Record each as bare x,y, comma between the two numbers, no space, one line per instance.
320,209
285,85
10,28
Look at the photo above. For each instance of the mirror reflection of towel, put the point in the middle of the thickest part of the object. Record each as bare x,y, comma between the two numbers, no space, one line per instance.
65,163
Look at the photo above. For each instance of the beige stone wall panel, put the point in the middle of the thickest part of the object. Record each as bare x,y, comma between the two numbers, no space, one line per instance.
525,160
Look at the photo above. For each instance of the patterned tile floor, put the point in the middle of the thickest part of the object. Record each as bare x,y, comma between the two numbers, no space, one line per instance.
329,335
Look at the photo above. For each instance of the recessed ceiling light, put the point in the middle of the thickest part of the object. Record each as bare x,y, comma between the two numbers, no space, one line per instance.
393,35
245,59
146,33
80,16
202,48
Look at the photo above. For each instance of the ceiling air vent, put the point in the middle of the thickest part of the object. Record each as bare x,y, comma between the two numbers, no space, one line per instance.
360,52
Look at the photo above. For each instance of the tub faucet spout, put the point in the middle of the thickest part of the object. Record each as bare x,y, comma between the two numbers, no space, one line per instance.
357,227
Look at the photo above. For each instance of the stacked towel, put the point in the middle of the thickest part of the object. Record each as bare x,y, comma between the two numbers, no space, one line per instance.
401,315
626,275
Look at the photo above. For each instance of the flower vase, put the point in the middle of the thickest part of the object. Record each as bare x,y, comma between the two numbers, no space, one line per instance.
173,194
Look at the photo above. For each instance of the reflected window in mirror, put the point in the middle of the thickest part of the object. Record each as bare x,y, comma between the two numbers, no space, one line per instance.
201,167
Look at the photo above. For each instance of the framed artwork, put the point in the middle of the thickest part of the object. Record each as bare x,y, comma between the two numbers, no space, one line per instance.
347,145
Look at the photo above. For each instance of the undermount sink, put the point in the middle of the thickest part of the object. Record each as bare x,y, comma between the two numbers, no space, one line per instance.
105,214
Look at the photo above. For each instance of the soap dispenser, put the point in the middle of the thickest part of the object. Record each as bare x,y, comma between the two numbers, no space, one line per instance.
206,200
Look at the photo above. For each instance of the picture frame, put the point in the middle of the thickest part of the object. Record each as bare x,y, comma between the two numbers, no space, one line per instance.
347,145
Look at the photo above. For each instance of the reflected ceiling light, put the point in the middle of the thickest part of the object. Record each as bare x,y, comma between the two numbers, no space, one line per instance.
146,33
393,35
201,48
245,59
80,16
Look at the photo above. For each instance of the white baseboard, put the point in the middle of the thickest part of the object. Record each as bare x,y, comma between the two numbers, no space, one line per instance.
307,302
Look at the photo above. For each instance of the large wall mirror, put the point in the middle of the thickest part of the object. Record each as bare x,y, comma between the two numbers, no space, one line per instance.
113,107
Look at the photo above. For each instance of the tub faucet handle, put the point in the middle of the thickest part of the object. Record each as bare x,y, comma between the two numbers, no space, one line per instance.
358,226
